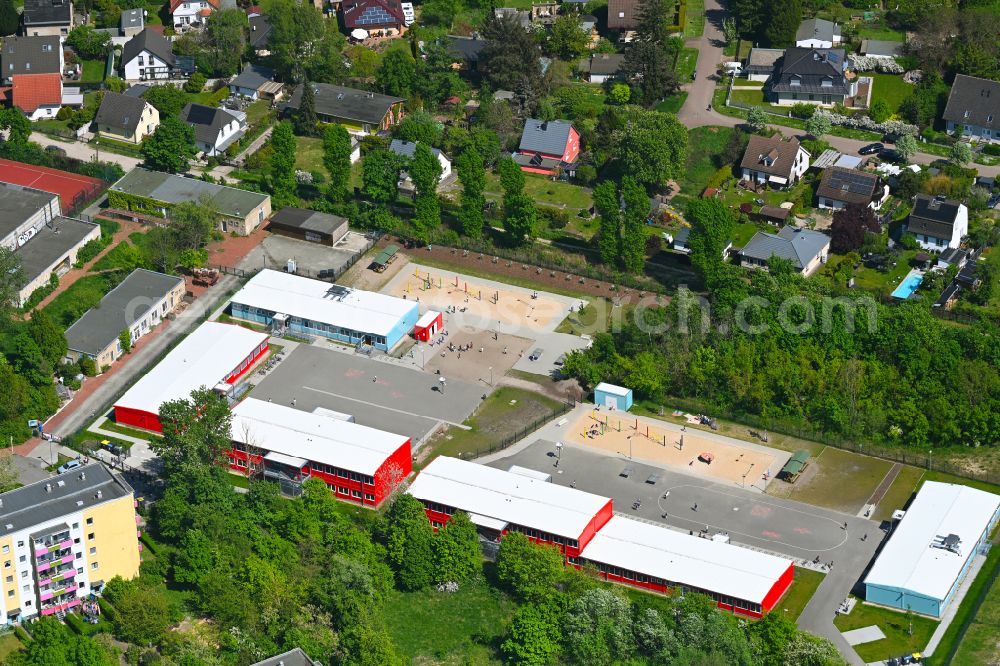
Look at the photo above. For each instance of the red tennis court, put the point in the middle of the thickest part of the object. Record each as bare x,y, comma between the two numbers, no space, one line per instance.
73,189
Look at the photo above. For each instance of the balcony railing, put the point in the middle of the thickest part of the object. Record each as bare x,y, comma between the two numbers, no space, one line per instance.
52,610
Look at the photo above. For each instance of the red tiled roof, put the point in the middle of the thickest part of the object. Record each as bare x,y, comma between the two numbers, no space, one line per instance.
254,9
368,14
31,91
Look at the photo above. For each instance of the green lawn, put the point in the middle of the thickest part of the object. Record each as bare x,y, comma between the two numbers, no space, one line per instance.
899,492
79,297
883,283
495,420
127,430
309,153
93,70
555,193
431,627
687,63
9,644
694,24
209,98
743,233
755,97
673,103
238,480
894,625
702,161
880,32
891,88
257,110
798,595
839,480
981,622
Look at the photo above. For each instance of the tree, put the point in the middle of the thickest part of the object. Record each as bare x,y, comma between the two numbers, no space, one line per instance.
195,84
166,99
633,245
472,174
850,224
648,68
533,638
380,175
566,39
818,125
620,93
196,431
142,614
191,224
54,644
608,207
225,39
337,160
87,42
305,120
408,543
756,120
711,231
519,209
418,127
510,59
597,628
783,19
17,125
295,28
440,12
48,335
9,18
397,74
906,146
282,162
125,341
171,146
772,636
880,111
960,154
650,146
457,556
530,571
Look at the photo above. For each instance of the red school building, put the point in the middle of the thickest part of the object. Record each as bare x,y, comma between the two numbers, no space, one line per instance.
430,324
288,446
585,528
214,355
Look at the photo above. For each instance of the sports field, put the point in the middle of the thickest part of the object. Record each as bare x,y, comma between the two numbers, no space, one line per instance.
73,189
482,304
692,452
836,479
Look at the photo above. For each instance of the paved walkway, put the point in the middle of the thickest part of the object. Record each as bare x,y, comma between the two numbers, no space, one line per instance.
85,151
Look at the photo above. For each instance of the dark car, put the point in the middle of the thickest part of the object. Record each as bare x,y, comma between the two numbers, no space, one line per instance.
889,155
890,138
871,149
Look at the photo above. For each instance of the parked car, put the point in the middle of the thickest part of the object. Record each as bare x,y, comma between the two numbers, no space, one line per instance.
890,155
69,465
537,354
870,149
561,360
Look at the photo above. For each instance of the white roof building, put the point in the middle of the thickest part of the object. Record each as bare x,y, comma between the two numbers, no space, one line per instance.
604,387
312,437
319,301
682,559
504,498
209,356
932,547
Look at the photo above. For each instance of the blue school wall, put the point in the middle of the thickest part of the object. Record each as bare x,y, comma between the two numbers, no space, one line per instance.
401,329
902,600
622,403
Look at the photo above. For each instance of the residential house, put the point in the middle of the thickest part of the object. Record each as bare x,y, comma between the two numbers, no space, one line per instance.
761,63
806,249
774,160
544,13
406,150
602,67
192,12
38,96
879,48
623,15
30,55
523,17
952,257
974,104
376,17
255,82
47,17
215,129
294,657
125,118
259,33
466,50
154,193
548,147
140,302
309,225
818,34
938,223
839,187
360,111
409,14
147,57
812,76
133,22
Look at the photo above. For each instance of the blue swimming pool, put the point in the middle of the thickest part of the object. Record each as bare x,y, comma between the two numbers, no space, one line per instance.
908,286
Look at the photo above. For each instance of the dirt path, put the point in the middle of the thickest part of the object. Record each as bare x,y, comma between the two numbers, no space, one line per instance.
75,274
883,487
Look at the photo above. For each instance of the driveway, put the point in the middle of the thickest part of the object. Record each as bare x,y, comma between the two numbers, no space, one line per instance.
85,152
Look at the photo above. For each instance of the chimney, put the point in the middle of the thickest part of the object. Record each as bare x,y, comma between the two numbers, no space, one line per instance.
544,126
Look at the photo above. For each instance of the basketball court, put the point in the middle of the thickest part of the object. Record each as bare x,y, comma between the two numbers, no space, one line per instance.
695,452
481,304
73,189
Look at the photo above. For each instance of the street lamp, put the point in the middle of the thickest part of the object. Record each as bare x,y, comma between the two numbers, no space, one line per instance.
930,459
559,446
441,382
491,375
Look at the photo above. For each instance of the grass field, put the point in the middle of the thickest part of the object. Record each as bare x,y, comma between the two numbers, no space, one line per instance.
899,493
702,162
438,627
495,420
544,191
673,103
93,70
891,88
798,595
838,480
308,153
894,625
9,644
687,63
880,32
980,641
694,23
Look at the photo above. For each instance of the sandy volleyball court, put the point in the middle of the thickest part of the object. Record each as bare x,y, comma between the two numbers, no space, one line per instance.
623,434
484,301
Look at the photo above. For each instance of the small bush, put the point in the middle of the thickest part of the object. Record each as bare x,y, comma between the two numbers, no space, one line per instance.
88,366
555,218
64,113
803,110
586,174
720,176
992,149
196,83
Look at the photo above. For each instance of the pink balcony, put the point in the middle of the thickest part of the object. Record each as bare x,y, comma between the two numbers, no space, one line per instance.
49,611
44,582
67,559
40,551
45,596
73,602
65,544
44,566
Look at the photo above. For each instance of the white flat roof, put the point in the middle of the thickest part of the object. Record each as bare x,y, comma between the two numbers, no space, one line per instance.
534,474
316,437
612,389
507,497
204,358
687,560
291,461
908,562
427,318
362,311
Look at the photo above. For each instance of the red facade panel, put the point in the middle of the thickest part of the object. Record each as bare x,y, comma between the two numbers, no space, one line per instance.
138,418
779,588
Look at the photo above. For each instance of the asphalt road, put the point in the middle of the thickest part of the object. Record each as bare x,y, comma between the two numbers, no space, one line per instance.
85,151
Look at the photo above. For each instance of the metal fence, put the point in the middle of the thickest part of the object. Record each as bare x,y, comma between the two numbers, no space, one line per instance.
523,432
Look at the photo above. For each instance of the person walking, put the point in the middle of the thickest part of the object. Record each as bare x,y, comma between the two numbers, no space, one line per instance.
695,507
